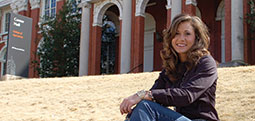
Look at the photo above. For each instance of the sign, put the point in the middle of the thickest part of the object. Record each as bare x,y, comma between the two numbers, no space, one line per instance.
19,42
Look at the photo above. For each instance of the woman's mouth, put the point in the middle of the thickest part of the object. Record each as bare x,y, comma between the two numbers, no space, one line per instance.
180,45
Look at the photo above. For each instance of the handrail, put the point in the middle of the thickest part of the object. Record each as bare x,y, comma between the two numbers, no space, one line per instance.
135,68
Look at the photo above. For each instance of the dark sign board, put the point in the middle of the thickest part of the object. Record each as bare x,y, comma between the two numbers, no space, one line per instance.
19,42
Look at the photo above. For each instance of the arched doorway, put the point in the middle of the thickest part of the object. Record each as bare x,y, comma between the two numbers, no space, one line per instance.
198,12
149,30
156,14
110,41
208,10
221,17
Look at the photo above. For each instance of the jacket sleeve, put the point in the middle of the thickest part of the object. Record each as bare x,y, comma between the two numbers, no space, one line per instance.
198,81
160,82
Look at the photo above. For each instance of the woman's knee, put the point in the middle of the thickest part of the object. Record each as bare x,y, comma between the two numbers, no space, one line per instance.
143,110
143,103
146,105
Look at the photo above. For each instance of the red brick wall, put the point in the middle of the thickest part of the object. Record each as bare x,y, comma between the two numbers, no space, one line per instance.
119,50
59,5
168,19
132,65
138,47
95,58
35,15
228,51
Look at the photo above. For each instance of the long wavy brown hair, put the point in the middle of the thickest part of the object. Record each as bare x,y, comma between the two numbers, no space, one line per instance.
171,61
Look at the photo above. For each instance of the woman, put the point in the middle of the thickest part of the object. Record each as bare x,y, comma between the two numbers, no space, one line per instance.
187,82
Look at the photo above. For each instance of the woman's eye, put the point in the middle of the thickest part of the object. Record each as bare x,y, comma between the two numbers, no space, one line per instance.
187,33
177,33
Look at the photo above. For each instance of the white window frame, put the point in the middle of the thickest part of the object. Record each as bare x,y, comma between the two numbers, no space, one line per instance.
3,21
7,22
77,2
50,13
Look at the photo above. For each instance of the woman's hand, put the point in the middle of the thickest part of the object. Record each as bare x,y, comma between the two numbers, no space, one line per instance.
127,103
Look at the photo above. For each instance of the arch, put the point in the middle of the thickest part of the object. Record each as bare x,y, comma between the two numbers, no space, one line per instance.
140,7
150,23
220,11
198,12
100,9
220,16
114,19
109,43
149,30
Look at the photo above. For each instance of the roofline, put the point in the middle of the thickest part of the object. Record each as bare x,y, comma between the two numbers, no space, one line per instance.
5,3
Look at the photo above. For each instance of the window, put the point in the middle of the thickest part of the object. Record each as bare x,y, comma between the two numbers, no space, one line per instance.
49,9
75,3
6,22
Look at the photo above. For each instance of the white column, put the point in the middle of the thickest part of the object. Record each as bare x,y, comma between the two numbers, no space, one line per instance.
193,2
237,41
34,4
169,4
176,8
126,36
22,5
84,42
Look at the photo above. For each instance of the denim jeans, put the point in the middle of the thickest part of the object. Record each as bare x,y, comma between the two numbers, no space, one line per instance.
151,111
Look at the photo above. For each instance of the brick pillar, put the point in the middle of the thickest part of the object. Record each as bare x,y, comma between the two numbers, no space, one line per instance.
169,10
90,39
228,51
138,44
95,53
35,15
245,31
116,66
60,3
118,56
132,33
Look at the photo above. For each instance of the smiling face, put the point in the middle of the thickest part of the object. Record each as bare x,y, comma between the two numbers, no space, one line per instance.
183,39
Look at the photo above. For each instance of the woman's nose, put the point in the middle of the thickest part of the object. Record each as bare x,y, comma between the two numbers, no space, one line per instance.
181,37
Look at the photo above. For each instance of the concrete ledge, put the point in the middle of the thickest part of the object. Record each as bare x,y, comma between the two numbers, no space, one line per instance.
10,77
233,63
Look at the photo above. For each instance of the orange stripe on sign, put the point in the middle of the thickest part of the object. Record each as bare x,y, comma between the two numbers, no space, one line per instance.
16,32
18,36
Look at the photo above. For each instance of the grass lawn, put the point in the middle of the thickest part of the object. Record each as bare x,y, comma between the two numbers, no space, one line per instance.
97,98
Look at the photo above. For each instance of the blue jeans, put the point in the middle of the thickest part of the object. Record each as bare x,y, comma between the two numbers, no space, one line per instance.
151,111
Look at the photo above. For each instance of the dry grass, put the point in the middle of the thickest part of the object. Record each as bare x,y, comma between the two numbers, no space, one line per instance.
97,98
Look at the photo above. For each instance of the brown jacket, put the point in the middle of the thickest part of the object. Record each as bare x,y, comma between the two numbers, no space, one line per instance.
194,94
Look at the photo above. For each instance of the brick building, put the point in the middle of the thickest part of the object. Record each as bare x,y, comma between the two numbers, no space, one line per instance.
139,25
